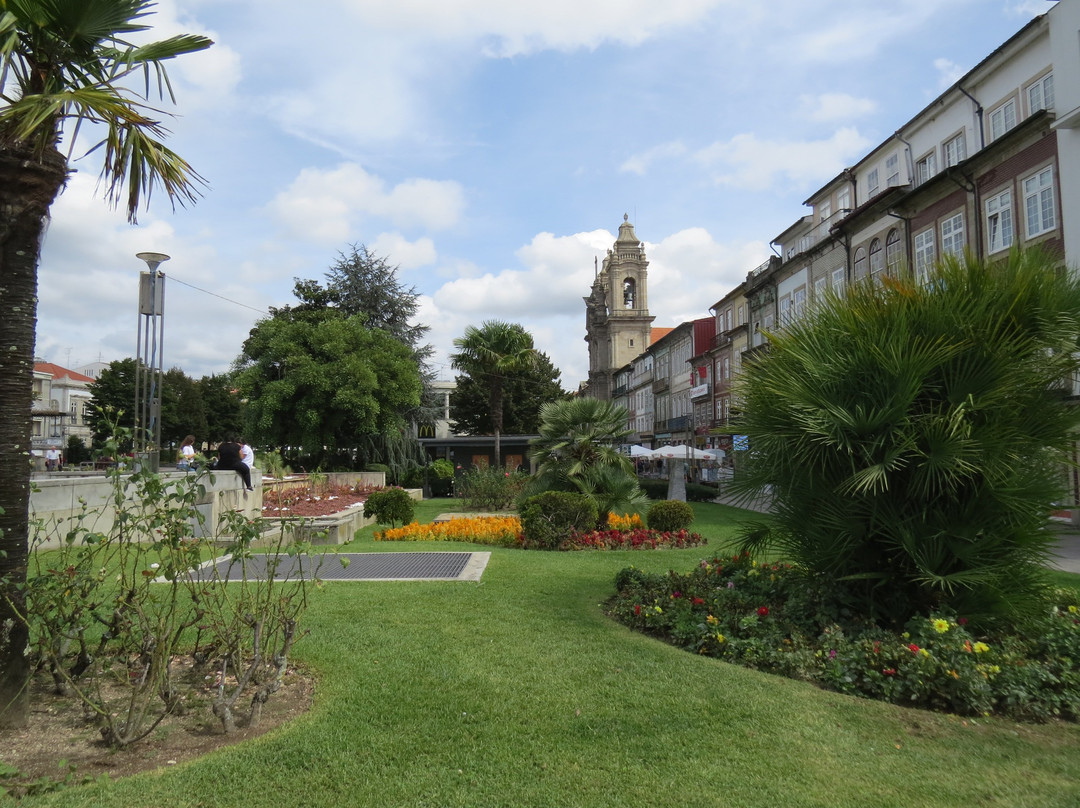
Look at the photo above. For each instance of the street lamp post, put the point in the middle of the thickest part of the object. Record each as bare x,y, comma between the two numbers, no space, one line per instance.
149,361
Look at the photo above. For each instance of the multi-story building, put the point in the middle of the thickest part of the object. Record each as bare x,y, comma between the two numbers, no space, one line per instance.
61,407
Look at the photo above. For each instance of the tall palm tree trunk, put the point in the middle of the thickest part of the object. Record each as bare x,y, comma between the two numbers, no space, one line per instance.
27,189
496,406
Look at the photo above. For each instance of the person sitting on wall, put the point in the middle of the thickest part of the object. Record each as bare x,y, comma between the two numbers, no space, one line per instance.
187,454
229,458
247,454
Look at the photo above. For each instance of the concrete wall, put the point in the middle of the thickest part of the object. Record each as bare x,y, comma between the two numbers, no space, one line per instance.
59,498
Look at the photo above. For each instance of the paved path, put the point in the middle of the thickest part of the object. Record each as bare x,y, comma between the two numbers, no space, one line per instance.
1067,553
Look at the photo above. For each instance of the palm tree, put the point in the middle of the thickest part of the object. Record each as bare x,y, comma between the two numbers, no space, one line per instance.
64,69
577,450
490,354
913,436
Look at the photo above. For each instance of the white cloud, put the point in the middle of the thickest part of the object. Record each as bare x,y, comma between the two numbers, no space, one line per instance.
949,72
640,163
836,107
688,272
325,206
399,251
513,29
749,162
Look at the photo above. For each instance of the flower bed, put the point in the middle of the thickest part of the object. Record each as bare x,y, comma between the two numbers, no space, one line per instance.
769,618
321,500
505,531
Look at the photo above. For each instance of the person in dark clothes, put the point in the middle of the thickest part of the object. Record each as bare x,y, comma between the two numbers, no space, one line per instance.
229,458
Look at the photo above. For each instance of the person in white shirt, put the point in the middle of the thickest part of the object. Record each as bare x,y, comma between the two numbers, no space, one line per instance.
52,459
247,454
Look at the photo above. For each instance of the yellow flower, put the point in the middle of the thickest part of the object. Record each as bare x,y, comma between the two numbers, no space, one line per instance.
941,626
720,638
981,648
711,620
924,652
954,674
1073,610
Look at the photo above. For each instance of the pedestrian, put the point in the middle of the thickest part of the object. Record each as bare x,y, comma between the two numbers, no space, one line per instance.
186,460
247,454
52,459
229,459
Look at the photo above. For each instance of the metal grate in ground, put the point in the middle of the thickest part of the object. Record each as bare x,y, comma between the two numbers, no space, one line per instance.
360,567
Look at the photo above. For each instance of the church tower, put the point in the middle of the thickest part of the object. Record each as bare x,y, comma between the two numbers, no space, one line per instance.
617,321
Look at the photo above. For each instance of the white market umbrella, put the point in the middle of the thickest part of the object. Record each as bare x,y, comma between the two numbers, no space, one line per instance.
716,454
640,451
680,453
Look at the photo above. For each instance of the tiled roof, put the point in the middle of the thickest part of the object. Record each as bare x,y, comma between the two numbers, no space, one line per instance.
58,372
658,334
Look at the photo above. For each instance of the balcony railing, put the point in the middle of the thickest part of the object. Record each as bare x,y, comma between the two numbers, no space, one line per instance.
660,385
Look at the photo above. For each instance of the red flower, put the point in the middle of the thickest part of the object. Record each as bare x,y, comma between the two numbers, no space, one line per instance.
961,621
637,608
698,601
913,648
889,671
762,611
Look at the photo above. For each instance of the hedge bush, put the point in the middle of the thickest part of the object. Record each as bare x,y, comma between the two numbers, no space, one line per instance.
390,506
670,515
550,518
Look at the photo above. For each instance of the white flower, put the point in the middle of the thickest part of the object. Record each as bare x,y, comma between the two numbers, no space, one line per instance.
154,566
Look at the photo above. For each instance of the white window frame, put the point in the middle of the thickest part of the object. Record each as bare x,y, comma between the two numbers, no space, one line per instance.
892,170
1040,94
821,287
999,223
924,254
824,210
1038,190
1002,119
843,200
858,264
952,235
926,167
877,258
893,252
872,183
838,280
954,150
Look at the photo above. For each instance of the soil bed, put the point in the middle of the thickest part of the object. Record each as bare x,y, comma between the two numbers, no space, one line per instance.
305,502
62,746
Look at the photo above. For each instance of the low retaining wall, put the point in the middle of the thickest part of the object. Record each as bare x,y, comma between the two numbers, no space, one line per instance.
374,479
336,528
59,497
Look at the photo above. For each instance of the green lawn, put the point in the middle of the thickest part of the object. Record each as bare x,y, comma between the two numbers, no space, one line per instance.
517,691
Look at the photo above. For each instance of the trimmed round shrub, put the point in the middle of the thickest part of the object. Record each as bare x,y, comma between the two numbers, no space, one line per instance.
549,519
390,506
670,515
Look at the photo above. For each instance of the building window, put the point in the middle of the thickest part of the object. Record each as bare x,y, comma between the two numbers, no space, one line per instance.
955,150
843,200
824,210
838,280
924,254
860,264
741,315
871,184
1039,202
785,310
1002,119
952,235
925,168
877,258
892,252
1041,94
820,287
631,343
892,171
999,227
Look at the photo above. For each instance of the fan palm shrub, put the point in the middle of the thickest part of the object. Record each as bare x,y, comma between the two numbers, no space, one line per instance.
577,450
912,437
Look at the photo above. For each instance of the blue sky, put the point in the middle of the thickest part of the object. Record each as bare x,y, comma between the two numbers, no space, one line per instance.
490,149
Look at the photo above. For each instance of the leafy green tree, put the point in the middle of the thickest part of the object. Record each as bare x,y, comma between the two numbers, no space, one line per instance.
523,395
62,64
324,381
577,450
913,437
491,354
112,399
366,285
221,406
183,411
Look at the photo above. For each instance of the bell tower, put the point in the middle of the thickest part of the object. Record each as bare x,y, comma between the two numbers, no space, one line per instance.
617,321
